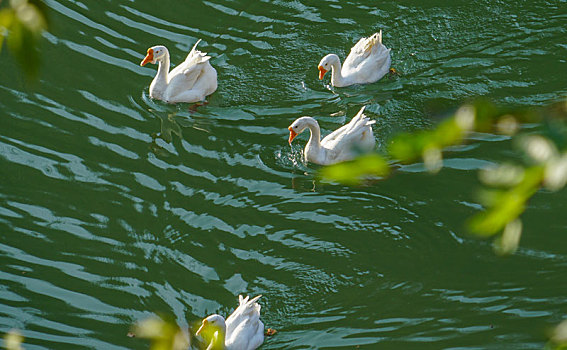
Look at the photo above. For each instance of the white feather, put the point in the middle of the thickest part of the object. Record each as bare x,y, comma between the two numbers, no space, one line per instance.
243,329
368,61
339,145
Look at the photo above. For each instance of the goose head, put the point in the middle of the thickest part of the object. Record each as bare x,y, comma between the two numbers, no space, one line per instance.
212,324
297,127
213,331
155,54
326,64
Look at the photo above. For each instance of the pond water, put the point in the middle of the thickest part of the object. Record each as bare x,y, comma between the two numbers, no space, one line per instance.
115,206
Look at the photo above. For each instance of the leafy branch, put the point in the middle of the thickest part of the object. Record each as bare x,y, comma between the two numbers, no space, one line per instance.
507,187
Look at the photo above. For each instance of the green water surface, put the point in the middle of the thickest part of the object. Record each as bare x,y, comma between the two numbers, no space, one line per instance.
114,206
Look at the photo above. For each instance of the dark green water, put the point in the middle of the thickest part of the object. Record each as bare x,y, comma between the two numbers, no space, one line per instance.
115,206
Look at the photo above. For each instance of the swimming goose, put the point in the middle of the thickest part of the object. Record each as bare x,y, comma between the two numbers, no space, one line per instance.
368,61
191,81
242,330
338,146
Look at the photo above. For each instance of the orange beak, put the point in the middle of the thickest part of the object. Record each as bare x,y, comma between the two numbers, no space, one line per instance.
292,134
201,328
149,57
322,72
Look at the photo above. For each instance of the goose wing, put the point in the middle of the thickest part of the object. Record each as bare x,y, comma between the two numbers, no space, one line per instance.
358,121
362,50
369,57
190,69
247,312
358,130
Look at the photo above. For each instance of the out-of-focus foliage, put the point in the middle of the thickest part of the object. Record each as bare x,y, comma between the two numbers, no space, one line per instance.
507,187
428,144
163,334
355,171
558,337
13,340
21,24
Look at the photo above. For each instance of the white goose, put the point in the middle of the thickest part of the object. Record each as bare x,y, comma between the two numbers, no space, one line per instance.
368,61
242,330
191,81
339,145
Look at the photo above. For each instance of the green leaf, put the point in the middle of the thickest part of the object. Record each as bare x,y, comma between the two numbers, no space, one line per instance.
356,171
21,25
408,147
558,337
163,333
6,19
493,220
506,206
423,144
555,176
13,340
447,133
486,115
509,241
504,175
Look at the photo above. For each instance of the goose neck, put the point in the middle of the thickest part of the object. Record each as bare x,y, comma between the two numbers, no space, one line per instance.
163,68
337,78
218,340
315,130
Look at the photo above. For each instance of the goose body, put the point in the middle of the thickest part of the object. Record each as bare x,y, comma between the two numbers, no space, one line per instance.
242,330
368,61
191,81
338,146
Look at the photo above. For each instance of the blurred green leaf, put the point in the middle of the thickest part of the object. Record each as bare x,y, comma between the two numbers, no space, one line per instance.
506,206
433,159
507,125
509,241
13,340
558,337
446,134
21,25
164,334
493,220
486,114
555,176
356,171
427,144
503,175
6,19
407,147
539,148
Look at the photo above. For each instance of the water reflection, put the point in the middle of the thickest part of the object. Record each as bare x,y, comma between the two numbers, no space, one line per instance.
168,127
